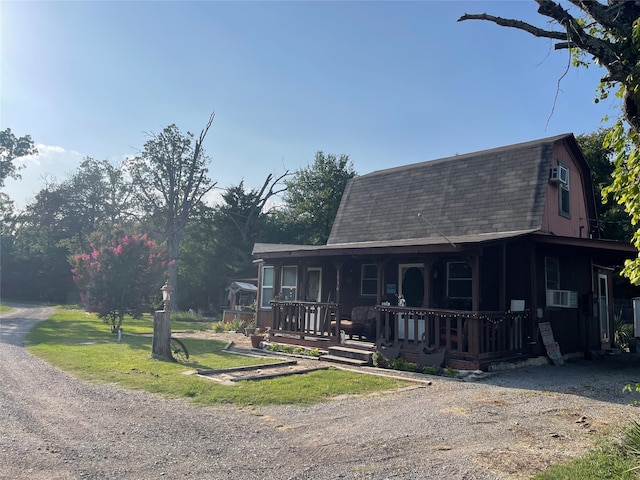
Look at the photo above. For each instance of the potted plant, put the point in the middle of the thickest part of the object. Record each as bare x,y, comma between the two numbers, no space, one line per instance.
259,335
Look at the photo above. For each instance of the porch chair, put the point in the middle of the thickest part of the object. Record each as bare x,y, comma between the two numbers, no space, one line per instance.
362,323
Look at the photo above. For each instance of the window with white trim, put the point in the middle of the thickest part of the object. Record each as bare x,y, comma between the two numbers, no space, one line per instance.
289,283
368,279
459,280
266,286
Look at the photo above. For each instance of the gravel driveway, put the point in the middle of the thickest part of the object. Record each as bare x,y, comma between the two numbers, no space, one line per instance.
506,426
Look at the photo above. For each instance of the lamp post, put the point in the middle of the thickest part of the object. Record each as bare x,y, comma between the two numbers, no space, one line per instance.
166,295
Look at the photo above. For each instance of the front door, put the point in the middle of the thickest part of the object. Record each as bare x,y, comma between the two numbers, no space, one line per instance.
314,285
603,309
313,294
411,278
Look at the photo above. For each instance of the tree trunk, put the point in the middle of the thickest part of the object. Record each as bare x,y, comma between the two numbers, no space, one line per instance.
173,247
160,348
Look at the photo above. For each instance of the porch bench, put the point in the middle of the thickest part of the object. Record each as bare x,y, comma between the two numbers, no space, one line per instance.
362,322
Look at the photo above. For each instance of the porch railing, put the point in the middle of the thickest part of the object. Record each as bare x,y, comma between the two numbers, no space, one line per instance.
466,335
305,318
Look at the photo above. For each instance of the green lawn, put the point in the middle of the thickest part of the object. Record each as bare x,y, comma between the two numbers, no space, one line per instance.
82,345
610,462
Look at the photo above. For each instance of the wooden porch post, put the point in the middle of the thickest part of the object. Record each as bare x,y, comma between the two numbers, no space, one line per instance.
475,282
380,263
277,273
338,266
302,279
532,328
428,263
474,331
503,279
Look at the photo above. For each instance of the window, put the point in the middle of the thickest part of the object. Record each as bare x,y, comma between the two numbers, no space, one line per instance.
266,288
564,193
368,280
289,284
458,280
552,273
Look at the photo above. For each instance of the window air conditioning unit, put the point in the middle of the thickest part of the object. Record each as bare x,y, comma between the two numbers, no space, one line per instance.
562,298
559,174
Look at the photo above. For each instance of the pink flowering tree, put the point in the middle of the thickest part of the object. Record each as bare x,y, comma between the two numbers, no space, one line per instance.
116,278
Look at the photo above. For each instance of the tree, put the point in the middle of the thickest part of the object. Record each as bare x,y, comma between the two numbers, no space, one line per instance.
60,221
12,147
36,266
117,277
614,221
608,35
97,198
170,177
239,222
313,196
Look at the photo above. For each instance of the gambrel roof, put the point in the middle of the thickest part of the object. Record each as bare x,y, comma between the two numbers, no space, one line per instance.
489,192
476,198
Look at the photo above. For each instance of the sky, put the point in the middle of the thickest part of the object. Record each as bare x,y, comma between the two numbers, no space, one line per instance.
387,83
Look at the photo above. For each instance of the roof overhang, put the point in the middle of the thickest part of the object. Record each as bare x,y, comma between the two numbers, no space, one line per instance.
427,245
451,244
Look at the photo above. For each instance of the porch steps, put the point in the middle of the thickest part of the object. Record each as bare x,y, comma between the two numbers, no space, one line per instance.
348,356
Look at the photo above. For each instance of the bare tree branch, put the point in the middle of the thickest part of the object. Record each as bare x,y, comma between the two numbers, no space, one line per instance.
513,23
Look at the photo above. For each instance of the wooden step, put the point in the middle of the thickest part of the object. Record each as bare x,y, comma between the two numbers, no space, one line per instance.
344,360
353,353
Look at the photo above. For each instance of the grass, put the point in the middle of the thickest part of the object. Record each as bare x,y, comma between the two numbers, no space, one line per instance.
82,345
609,462
4,308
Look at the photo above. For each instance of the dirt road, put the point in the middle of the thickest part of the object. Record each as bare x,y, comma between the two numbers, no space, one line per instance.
506,426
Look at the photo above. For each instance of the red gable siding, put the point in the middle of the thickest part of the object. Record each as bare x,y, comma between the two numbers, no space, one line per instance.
552,221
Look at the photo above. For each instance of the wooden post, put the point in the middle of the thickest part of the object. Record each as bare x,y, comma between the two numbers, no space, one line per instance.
160,348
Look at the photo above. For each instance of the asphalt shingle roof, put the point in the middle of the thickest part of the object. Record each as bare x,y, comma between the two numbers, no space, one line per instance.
493,191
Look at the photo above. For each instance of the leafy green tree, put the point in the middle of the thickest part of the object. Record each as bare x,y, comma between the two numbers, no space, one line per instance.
615,223
36,267
60,221
198,271
170,177
118,277
607,35
97,198
218,242
313,196
11,148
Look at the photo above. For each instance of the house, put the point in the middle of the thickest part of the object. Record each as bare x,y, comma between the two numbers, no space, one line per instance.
241,296
468,253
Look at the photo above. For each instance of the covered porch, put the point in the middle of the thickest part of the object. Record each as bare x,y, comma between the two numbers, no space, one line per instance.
470,339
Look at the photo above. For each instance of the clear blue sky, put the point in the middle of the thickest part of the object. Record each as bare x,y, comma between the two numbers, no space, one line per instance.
387,83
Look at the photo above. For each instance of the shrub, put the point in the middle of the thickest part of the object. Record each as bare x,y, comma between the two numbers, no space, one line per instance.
379,360
401,364
429,370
